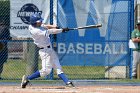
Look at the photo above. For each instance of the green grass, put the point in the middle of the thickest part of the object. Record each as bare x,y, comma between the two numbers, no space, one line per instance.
15,69
84,72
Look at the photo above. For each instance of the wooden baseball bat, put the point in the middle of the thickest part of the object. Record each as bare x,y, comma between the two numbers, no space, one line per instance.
87,27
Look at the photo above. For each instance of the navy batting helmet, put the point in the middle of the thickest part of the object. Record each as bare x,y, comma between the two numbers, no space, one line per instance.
35,18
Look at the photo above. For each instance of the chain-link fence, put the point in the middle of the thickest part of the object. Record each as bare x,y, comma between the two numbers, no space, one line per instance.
106,46
20,56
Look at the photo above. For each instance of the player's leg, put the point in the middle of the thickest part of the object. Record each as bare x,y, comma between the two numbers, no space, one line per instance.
136,59
56,65
64,78
43,72
25,79
46,69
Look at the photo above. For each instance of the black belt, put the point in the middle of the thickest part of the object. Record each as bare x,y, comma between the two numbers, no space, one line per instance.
43,47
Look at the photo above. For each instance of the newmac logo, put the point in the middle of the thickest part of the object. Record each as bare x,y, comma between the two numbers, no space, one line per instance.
26,11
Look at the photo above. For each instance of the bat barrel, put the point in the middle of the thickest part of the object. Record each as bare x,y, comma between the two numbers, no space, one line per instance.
86,27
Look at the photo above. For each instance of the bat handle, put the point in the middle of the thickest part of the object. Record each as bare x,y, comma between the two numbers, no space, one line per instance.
99,25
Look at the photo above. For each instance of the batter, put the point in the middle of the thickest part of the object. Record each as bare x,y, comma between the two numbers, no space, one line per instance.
40,34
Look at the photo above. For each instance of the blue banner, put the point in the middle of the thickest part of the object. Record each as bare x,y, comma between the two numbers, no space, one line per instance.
105,46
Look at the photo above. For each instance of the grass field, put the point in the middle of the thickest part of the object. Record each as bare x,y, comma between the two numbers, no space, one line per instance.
16,68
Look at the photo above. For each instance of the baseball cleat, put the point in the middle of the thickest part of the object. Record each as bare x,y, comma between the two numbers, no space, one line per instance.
70,84
24,82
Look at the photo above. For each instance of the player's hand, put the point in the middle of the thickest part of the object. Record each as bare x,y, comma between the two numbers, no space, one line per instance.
58,27
65,29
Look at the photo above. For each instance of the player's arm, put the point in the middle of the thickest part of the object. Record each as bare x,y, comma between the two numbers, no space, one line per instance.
53,29
47,26
56,31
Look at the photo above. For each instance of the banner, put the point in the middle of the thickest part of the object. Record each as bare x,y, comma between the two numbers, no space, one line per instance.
20,11
105,46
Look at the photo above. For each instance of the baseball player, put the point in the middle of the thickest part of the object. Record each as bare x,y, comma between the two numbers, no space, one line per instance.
40,34
135,36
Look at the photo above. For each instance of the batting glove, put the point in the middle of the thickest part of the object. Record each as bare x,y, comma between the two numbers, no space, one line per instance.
58,27
65,29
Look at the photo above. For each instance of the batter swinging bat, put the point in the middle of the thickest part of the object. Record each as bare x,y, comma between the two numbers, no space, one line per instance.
86,27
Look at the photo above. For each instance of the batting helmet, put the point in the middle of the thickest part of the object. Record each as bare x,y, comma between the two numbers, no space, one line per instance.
35,18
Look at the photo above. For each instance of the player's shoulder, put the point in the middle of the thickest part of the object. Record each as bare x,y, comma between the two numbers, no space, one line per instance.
135,30
31,27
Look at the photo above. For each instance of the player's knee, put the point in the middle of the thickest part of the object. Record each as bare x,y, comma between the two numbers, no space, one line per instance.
59,71
45,72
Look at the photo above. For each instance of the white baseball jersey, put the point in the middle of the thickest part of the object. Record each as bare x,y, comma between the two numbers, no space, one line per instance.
48,56
41,35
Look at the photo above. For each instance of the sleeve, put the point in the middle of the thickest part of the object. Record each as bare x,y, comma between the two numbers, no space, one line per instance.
133,34
48,32
54,31
40,33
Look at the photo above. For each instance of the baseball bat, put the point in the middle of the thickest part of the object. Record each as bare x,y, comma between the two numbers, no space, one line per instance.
87,27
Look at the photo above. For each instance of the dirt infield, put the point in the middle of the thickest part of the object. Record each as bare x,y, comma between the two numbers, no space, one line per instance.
91,86
77,89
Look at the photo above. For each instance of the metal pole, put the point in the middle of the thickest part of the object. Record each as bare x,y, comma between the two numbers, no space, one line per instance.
52,36
131,28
